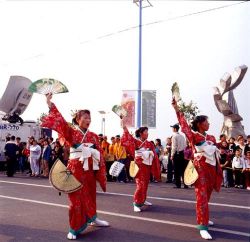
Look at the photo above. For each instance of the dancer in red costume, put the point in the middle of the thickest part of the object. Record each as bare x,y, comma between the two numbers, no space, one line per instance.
206,164
146,158
85,162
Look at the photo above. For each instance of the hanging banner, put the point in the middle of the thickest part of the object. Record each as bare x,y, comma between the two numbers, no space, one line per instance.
128,103
149,109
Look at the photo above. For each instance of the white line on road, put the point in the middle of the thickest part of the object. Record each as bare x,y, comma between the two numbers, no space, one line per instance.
129,195
131,216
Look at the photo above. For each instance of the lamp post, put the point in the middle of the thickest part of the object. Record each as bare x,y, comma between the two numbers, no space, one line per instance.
140,5
103,122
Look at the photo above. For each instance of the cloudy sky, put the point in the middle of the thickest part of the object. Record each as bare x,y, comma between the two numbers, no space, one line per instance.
92,47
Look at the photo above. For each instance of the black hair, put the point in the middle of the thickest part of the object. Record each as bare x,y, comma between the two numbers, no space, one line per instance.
197,120
139,131
159,141
79,114
222,135
12,137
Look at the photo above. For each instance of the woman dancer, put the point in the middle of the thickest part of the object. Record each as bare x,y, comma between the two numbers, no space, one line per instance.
144,154
85,162
206,163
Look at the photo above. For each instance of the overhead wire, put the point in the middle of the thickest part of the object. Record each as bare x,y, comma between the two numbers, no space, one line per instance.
146,24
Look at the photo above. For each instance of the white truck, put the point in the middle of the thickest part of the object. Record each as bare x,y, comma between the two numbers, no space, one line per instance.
23,131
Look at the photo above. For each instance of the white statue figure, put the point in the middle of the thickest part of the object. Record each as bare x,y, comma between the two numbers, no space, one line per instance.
226,104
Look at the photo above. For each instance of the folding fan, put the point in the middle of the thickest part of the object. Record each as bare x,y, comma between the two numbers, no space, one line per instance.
47,85
119,110
176,92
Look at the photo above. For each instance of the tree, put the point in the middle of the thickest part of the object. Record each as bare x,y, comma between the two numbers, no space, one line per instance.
42,115
190,110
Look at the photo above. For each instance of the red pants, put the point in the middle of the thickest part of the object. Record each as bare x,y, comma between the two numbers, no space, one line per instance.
142,181
207,181
82,209
247,177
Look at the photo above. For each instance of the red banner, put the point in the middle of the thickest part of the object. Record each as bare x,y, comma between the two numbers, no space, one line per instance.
128,103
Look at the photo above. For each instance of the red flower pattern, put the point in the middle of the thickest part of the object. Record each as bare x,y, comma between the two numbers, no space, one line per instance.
82,202
210,177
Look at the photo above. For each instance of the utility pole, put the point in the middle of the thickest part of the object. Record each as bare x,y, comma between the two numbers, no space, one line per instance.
141,4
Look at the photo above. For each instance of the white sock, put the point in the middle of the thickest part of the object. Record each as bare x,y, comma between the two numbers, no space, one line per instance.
210,223
71,236
137,209
100,223
205,235
147,203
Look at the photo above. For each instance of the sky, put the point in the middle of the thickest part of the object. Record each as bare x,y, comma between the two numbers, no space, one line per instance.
92,47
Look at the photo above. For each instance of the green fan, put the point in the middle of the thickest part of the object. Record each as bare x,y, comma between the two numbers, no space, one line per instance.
176,92
119,110
48,85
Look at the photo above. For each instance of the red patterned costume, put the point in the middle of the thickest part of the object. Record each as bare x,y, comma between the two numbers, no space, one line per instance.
82,209
210,174
143,176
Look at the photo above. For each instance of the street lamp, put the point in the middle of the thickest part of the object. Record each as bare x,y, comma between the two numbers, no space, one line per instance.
141,4
103,121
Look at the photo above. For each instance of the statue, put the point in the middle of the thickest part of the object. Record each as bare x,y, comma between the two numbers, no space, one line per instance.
226,104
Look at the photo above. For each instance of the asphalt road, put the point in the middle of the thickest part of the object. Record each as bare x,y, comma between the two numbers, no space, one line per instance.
31,210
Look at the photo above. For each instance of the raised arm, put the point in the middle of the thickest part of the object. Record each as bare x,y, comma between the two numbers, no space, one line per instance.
185,128
127,140
54,120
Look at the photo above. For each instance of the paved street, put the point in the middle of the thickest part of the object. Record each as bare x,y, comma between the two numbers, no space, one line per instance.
31,210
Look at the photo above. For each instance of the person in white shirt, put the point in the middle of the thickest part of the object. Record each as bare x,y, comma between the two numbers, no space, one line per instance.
35,152
246,170
177,155
237,165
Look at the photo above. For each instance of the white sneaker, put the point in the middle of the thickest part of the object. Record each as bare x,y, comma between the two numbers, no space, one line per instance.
146,203
100,223
248,188
137,209
205,235
71,236
210,223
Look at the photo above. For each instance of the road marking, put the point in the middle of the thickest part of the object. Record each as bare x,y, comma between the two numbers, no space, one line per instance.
131,216
26,184
129,195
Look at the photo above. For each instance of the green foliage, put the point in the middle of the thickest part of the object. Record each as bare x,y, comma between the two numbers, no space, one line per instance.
190,110
42,115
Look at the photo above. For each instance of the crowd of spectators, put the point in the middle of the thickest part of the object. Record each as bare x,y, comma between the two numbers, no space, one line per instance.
38,156
34,156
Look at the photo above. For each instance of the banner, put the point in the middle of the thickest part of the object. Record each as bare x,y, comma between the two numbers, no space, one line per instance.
149,109
128,103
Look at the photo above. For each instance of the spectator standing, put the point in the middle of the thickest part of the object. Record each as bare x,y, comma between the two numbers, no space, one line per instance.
46,157
247,146
225,163
177,154
237,166
20,157
120,155
105,147
241,145
10,152
110,158
35,153
159,149
223,138
26,154
246,170
57,153
232,145
170,162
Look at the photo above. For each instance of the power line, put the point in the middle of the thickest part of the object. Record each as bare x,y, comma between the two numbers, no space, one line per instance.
146,24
